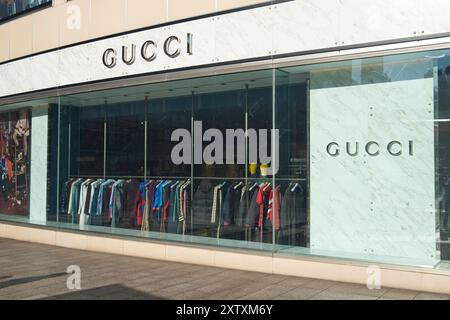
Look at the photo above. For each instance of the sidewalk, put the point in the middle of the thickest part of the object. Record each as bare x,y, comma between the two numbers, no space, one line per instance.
34,271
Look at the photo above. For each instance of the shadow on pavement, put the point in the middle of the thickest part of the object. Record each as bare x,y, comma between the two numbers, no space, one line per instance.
110,292
14,282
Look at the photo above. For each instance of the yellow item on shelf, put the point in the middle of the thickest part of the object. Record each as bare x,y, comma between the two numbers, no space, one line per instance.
253,166
263,169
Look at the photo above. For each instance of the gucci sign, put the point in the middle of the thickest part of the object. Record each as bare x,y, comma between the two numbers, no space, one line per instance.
372,148
172,47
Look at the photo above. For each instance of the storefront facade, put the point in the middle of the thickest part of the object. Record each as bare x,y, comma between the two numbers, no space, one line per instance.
295,129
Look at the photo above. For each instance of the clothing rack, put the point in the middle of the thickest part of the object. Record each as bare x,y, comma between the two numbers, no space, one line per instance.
210,208
186,177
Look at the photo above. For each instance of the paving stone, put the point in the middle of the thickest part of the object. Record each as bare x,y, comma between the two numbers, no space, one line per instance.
175,290
399,294
119,296
190,295
234,274
229,294
293,282
140,281
431,296
151,287
204,281
271,279
319,284
269,292
356,289
299,293
340,296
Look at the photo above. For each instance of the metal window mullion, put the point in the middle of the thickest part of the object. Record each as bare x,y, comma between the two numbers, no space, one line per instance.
246,134
58,146
308,164
192,162
104,140
274,158
145,137
69,151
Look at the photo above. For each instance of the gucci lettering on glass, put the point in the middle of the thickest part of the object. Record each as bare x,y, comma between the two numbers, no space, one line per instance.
172,47
372,148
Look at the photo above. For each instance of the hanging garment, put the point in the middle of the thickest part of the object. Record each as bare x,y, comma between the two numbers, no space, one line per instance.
9,169
87,201
70,196
154,208
95,188
215,205
269,222
243,207
292,215
147,204
262,199
183,219
231,205
116,203
202,205
101,216
83,195
164,212
83,217
102,195
74,197
64,201
263,202
222,192
158,214
232,221
140,207
253,209
273,213
174,207
444,205
157,203
105,205
131,198
188,208
6,178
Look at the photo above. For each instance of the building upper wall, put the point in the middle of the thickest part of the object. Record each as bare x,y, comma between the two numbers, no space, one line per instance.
270,31
59,25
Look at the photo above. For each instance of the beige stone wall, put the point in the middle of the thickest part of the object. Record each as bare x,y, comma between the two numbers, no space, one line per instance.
409,278
58,26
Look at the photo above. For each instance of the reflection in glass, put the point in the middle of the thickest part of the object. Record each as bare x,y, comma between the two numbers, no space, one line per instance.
87,141
15,133
164,117
125,136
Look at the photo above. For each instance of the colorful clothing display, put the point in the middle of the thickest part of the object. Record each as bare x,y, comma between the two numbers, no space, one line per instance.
231,210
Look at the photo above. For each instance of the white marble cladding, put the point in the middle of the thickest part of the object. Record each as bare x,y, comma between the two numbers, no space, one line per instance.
296,26
38,169
373,205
